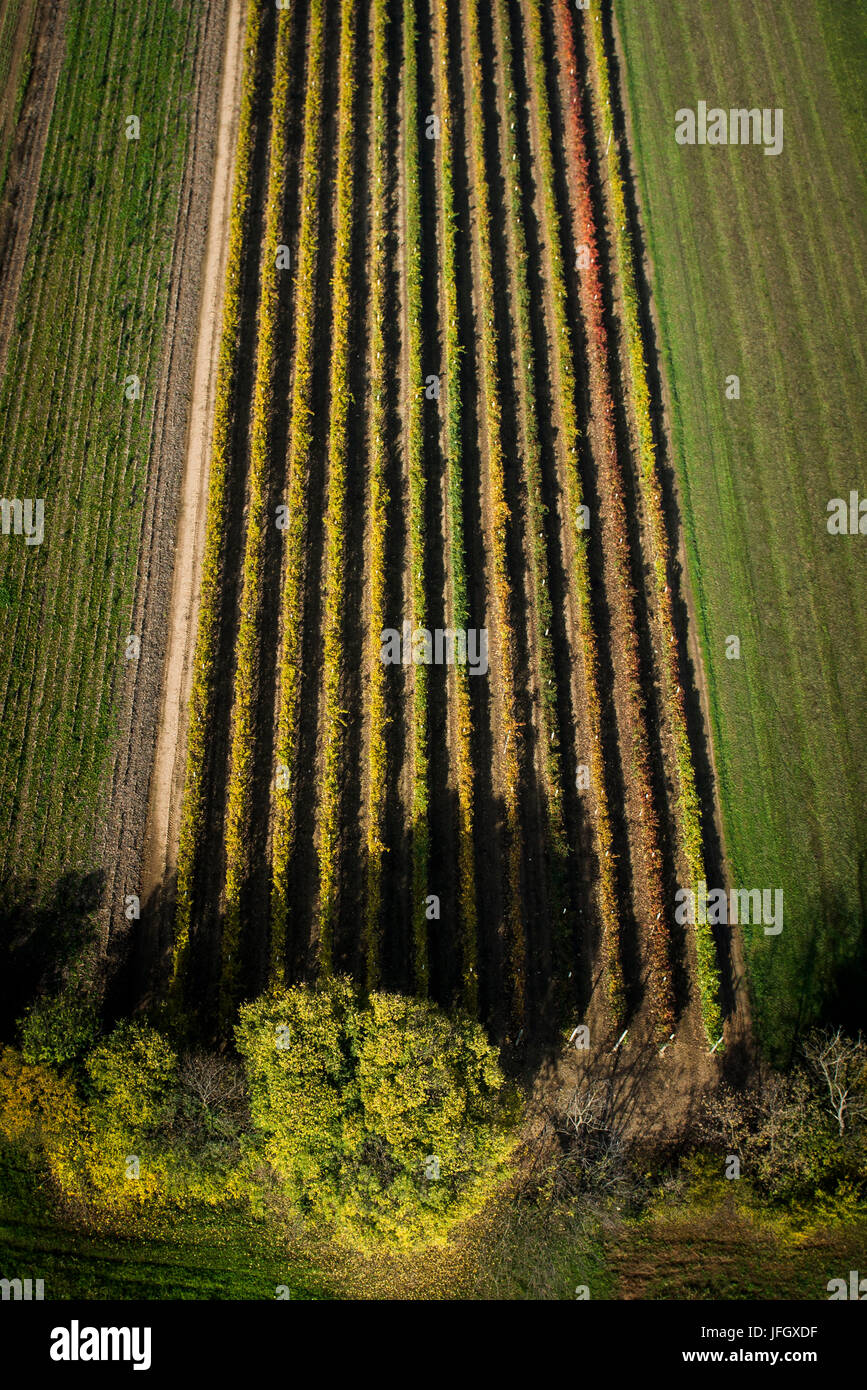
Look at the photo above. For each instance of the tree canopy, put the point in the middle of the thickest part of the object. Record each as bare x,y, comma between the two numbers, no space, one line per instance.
387,1119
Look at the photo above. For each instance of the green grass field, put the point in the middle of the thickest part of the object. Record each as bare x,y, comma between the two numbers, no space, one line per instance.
758,269
696,1252
224,1254
180,1265
91,313
716,1255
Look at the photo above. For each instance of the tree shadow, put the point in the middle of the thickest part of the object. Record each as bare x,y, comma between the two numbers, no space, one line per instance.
821,975
43,932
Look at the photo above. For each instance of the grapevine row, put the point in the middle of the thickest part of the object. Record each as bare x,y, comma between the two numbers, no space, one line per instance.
378,509
581,576
300,443
532,460
246,686
661,993
499,527
688,808
459,616
335,525
417,491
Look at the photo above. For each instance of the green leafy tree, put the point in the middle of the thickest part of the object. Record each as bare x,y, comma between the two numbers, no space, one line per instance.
133,1076
389,1121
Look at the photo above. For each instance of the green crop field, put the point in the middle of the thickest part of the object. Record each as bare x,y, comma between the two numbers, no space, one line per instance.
16,21
758,269
91,314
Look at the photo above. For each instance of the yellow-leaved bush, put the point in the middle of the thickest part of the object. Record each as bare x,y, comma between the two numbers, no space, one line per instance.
383,1122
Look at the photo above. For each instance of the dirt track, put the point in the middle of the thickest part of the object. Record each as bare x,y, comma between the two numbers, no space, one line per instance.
139,722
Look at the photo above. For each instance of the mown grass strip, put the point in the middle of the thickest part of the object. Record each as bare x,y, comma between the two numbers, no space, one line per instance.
377,762
246,686
300,442
688,809
335,524
565,365
459,617
608,464
499,525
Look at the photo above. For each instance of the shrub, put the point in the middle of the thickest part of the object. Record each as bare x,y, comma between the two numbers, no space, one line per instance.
182,1126
57,1030
789,1140
35,1103
133,1075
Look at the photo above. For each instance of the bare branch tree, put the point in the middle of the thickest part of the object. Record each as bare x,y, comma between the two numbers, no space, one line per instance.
841,1062
216,1087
